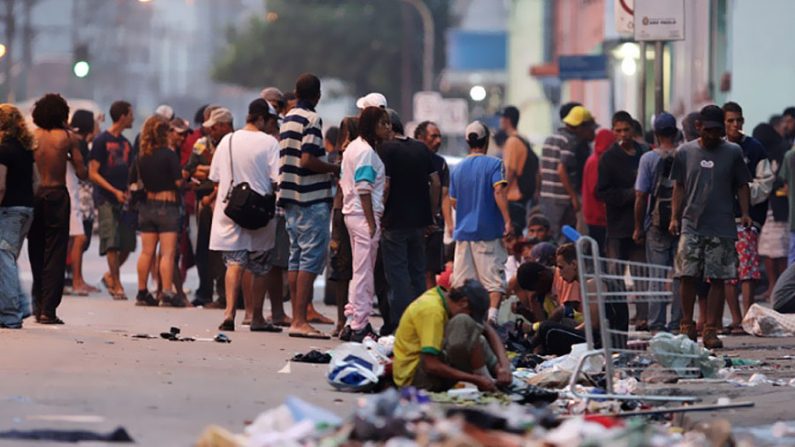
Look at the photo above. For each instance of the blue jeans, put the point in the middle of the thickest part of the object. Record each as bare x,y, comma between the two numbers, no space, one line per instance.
14,304
308,227
661,250
791,258
403,253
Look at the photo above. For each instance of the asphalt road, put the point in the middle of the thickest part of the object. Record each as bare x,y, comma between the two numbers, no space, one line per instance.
91,374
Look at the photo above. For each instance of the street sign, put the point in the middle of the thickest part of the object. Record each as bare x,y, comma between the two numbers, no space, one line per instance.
659,20
582,67
623,10
427,106
454,117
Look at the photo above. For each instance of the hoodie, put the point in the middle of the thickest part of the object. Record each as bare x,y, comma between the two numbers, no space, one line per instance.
593,209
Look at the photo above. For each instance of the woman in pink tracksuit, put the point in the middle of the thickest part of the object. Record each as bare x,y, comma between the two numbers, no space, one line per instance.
363,184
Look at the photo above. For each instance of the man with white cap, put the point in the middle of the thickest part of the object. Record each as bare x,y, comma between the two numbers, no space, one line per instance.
371,100
208,264
478,193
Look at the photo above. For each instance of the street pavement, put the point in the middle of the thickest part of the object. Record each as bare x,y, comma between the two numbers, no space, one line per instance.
92,374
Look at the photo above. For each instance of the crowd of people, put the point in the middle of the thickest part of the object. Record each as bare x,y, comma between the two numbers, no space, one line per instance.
260,210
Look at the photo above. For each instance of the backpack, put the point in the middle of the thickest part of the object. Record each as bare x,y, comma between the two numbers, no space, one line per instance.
527,178
662,193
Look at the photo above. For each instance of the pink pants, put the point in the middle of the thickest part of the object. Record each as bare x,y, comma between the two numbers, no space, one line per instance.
362,286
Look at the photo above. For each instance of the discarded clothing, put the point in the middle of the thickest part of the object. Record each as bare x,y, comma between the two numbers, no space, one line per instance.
72,436
313,356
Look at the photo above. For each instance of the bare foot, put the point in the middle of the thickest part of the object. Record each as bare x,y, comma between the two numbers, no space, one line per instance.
283,320
337,329
317,318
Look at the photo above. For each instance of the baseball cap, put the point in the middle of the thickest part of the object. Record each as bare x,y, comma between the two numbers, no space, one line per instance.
478,129
577,116
664,123
165,111
371,100
711,117
273,95
180,125
566,108
261,107
219,115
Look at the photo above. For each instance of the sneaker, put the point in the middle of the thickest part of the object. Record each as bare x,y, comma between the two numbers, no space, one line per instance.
710,339
361,334
169,300
144,298
346,333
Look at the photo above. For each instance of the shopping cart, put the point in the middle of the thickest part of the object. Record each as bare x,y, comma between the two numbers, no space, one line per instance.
614,285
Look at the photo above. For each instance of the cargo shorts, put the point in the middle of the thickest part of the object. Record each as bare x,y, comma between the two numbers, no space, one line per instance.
706,257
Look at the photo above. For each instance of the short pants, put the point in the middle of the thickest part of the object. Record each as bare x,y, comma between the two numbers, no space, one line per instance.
114,232
481,260
308,227
155,216
706,257
747,246
256,262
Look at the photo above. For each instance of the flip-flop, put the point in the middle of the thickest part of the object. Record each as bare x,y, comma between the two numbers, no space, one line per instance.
118,296
282,323
315,335
267,327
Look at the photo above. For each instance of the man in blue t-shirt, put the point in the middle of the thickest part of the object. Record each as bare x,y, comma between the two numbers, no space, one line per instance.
478,193
110,160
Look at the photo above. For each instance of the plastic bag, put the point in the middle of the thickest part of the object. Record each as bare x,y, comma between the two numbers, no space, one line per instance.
568,362
764,322
355,368
683,355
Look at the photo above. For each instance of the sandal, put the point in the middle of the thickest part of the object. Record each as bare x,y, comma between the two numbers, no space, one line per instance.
227,325
733,329
267,327
313,334
118,296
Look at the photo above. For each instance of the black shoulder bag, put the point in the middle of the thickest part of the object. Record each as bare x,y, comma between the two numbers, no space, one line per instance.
245,206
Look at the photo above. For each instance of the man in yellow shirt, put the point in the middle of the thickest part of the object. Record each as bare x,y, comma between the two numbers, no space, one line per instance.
442,339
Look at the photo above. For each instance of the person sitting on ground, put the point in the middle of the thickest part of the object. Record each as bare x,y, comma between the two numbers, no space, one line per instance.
443,339
533,286
538,228
554,338
783,295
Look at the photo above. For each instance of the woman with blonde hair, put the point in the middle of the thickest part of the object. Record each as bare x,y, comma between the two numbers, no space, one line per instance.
18,182
157,172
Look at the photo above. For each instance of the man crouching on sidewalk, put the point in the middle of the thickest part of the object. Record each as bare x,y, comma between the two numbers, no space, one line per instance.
442,339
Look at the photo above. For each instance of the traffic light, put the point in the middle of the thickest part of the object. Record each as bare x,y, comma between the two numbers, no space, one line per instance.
80,63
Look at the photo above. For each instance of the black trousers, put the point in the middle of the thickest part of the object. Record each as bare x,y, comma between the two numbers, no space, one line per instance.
48,241
209,264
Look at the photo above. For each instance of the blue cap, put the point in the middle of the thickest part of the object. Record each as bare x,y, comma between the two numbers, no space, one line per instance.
664,123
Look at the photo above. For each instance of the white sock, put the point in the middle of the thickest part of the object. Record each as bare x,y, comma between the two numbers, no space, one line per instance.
492,313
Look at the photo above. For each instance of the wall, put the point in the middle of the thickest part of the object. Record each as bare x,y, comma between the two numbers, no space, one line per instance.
525,49
762,57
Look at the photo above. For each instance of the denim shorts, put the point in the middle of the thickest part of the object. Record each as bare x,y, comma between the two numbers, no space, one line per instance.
308,227
257,262
155,216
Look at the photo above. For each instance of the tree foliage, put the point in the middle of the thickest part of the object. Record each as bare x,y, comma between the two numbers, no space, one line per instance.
357,41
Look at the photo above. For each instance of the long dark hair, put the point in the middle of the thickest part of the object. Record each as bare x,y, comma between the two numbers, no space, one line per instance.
349,130
368,123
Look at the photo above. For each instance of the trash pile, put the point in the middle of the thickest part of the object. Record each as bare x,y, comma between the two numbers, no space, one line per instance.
408,418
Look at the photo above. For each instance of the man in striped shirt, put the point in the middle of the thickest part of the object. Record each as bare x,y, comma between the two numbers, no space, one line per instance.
559,198
306,196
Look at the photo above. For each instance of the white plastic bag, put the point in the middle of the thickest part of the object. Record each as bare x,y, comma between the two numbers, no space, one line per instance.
764,322
355,368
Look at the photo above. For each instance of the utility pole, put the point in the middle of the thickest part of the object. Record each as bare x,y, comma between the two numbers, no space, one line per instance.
428,31
10,31
28,34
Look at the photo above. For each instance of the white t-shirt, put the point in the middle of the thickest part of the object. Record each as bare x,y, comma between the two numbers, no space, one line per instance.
362,172
256,161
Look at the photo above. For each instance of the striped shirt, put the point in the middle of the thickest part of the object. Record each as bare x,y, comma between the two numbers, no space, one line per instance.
301,132
558,148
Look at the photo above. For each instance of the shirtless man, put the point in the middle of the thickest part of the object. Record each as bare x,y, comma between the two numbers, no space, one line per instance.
48,238
521,170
